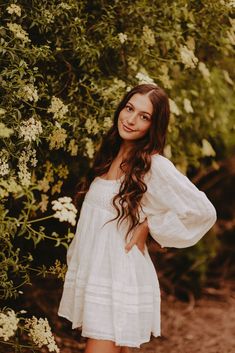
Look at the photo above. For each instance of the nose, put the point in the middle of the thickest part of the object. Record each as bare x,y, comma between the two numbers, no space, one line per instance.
131,118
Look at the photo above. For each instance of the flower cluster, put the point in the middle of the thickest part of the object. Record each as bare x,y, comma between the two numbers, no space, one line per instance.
13,8
122,37
4,166
48,16
28,92
59,269
204,71
173,107
72,147
188,106
40,333
148,36
28,155
107,123
228,3
187,57
144,78
164,77
43,203
30,129
92,126
65,6
132,63
90,150
65,210
9,186
18,32
57,108
57,138
207,149
115,90
8,324
167,151
5,131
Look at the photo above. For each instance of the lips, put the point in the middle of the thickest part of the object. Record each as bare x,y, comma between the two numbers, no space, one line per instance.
127,128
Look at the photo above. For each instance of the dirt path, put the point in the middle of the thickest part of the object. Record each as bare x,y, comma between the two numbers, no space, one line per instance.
206,326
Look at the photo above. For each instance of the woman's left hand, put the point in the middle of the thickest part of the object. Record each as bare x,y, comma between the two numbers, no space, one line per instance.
139,237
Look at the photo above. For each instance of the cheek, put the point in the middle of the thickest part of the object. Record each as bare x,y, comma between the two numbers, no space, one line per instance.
144,127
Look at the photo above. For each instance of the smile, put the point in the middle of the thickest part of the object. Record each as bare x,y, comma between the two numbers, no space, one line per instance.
127,128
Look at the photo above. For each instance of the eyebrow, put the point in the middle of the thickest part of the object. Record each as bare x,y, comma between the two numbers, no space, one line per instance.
141,111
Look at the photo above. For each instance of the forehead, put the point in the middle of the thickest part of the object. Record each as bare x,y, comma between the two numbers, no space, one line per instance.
142,103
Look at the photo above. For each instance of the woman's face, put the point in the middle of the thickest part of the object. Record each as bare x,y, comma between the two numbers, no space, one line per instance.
135,118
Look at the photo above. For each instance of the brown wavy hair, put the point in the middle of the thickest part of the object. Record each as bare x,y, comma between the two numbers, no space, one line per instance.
138,160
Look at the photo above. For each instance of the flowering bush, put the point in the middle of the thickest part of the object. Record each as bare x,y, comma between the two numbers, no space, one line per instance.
64,67
38,330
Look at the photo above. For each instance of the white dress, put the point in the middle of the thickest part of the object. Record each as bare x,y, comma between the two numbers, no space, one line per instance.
115,295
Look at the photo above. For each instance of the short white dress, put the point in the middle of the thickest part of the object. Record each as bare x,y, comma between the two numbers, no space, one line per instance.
114,295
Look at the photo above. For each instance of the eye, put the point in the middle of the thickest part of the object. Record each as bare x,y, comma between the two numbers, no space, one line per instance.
145,117
128,108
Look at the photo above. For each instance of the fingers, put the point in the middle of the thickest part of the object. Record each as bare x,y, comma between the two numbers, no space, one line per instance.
129,246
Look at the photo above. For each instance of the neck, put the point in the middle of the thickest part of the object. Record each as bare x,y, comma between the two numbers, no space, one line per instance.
125,147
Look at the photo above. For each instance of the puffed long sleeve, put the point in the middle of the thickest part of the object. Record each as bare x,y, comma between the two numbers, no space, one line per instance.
178,213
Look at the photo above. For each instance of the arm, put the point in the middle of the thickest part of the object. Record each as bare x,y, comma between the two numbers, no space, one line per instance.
178,213
139,237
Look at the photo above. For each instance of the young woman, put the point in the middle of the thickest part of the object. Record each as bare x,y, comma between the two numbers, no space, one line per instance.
111,287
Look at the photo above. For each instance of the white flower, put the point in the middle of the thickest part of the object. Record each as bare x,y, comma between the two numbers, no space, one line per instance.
48,16
227,77
115,90
173,107
90,150
187,57
13,8
28,155
28,92
40,333
167,151
5,131
148,36
108,122
57,138
122,37
72,147
231,36
58,108
65,6
187,106
133,63
207,149
143,78
191,43
228,3
30,129
8,324
2,111
65,210
18,32
204,70
4,166
92,126
164,77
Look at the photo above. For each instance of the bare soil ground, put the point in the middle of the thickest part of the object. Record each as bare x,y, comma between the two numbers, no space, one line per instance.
206,325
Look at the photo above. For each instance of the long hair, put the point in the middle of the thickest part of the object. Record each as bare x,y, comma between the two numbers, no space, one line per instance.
138,160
